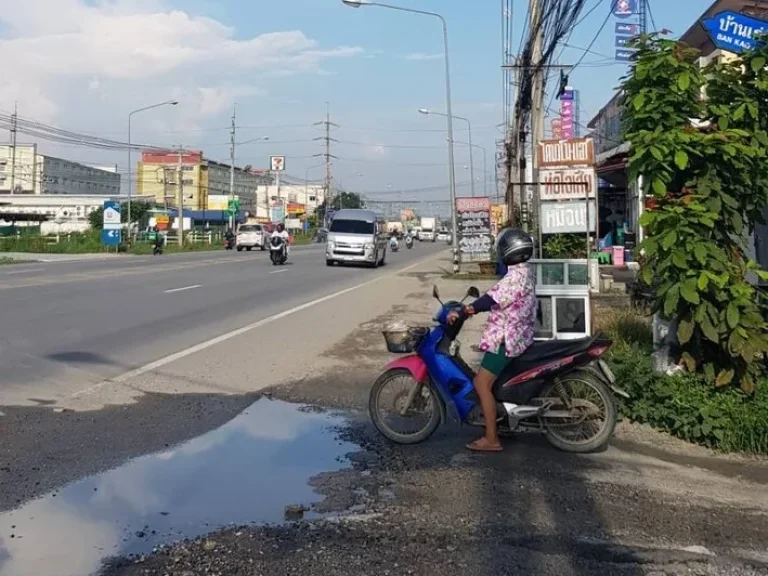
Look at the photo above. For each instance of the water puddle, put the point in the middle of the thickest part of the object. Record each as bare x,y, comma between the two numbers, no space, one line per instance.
245,472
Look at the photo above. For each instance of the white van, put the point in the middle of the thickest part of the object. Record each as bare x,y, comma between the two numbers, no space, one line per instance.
357,237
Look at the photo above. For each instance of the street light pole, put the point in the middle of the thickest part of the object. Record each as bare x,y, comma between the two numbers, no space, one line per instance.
485,165
449,110
130,183
427,112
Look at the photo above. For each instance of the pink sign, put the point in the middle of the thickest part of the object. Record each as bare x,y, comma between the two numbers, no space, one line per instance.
566,113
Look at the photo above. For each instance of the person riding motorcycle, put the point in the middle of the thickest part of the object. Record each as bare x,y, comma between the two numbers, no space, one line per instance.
229,237
393,243
281,232
509,331
159,238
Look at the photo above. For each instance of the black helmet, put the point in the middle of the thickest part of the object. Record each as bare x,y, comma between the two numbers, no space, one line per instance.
515,246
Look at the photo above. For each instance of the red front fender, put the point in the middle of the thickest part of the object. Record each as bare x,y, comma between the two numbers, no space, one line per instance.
414,364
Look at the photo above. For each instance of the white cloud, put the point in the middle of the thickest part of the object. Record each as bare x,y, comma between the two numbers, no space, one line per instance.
131,52
421,56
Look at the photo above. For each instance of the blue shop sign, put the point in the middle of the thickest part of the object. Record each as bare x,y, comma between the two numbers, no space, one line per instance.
624,8
734,32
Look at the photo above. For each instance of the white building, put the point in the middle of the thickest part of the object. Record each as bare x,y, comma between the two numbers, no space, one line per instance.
25,171
291,200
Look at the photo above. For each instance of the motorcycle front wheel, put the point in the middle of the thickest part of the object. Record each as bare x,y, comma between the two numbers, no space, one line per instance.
582,413
403,410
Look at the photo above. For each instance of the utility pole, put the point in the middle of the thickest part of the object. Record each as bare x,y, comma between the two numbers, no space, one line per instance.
232,170
180,189
537,114
327,156
14,131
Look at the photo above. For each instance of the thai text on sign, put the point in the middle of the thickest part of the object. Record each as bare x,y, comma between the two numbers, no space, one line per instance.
567,183
566,153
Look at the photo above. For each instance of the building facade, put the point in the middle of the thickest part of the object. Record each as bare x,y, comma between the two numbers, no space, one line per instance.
621,197
204,182
24,171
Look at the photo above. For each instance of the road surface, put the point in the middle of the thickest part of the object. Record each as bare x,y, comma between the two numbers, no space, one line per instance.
69,326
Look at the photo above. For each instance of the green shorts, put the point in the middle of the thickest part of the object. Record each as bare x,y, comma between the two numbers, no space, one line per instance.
495,362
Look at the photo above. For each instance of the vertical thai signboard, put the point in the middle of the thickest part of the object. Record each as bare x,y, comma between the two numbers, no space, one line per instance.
625,10
568,189
473,217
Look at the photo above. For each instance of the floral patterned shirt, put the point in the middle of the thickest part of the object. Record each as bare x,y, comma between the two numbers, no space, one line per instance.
513,318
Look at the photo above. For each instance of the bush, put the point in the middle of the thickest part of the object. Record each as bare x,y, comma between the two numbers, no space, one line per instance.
685,406
627,327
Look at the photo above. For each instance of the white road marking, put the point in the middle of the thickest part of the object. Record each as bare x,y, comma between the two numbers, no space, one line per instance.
27,271
183,289
245,329
279,271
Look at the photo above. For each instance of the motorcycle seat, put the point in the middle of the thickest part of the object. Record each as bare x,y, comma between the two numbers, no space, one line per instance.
540,353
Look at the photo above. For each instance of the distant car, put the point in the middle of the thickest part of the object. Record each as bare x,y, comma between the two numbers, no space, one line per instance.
250,236
443,236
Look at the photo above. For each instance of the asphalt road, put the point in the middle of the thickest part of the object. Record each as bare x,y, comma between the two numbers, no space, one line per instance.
70,325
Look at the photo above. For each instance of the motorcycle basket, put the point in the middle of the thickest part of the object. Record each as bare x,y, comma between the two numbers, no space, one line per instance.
404,341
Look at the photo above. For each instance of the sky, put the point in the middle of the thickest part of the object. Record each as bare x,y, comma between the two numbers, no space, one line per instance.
83,65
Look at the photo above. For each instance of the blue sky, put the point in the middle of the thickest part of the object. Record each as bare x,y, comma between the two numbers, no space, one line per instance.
374,67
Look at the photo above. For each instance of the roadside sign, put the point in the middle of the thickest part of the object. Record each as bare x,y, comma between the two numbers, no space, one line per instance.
625,8
624,54
567,217
233,207
277,163
734,32
568,183
111,219
473,217
110,237
566,153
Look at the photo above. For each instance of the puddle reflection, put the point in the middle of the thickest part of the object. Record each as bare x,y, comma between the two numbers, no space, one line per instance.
245,472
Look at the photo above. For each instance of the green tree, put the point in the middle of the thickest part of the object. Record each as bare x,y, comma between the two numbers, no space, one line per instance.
705,172
349,200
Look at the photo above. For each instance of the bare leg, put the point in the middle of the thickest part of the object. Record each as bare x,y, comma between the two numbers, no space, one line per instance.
483,383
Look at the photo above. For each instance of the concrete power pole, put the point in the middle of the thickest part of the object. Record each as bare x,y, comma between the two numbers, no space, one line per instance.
180,189
327,156
14,130
232,168
537,113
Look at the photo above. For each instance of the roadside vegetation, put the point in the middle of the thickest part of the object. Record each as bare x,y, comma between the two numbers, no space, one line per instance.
684,405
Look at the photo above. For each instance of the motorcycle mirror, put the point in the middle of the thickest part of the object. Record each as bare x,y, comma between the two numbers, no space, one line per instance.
473,292
435,293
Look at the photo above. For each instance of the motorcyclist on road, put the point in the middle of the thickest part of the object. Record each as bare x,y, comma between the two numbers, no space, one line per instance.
281,232
159,238
229,237
393,243
509,331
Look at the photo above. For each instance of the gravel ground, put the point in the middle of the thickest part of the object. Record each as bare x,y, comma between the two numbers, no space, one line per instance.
436,508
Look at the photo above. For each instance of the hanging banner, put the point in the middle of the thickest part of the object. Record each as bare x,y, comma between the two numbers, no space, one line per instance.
473,216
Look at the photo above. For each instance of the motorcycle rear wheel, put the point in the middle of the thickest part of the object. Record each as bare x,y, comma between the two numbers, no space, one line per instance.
430,401
599,394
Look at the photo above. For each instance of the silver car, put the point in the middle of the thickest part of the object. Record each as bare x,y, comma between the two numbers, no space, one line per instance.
357,237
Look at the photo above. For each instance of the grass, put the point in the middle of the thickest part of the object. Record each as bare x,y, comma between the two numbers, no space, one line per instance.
9,261
145,248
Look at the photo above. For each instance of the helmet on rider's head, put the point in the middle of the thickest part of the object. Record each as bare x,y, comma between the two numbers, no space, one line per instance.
515,246
280,227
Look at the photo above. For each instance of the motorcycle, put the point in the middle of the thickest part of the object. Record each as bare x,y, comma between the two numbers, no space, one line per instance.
229,243
394,245
561,387
158,246
409,242
278,252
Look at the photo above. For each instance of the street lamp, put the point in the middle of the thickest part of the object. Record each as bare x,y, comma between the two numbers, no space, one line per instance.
485,165
449,109
130,116
427,112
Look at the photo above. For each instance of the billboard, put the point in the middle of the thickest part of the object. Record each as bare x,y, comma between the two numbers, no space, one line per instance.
277,163
218,202
473,216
